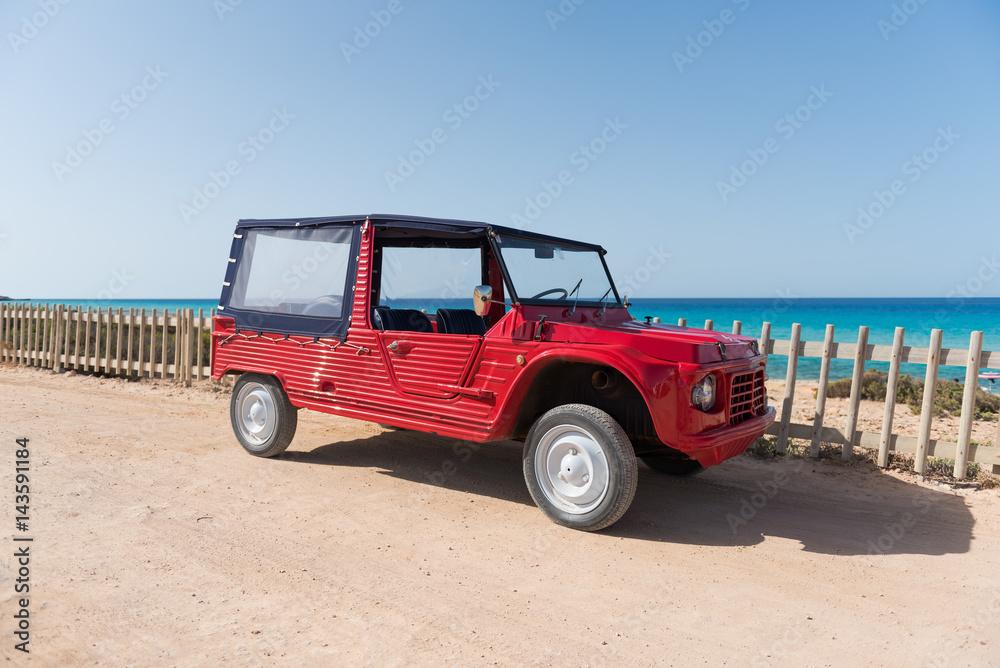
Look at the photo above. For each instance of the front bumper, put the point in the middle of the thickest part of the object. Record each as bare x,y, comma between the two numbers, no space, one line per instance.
715,447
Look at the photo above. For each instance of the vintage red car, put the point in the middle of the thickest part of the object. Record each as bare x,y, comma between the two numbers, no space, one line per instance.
362,316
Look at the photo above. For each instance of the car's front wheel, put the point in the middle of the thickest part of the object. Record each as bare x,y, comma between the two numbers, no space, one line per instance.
580,468
263,418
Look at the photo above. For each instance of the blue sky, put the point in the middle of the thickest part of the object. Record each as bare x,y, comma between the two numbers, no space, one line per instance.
664,120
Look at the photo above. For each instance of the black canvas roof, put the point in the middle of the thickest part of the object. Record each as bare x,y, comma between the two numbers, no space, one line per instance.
439,224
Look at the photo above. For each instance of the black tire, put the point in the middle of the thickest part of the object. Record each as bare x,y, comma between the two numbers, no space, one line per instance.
259,402
554,442
675,466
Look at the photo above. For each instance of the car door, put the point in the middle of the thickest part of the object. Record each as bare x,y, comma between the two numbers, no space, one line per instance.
424,359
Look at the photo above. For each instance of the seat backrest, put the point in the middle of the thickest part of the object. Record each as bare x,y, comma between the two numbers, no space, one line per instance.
401,320
460,321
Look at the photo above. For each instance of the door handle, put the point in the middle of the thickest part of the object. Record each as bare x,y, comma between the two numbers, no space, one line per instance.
394,346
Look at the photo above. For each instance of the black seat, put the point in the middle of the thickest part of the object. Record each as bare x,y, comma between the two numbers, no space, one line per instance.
401,320
460,321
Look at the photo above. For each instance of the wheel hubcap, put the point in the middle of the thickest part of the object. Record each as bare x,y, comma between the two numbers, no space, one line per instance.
571,469
257,413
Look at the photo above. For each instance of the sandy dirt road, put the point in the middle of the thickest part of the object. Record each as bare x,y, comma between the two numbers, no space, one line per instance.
158,541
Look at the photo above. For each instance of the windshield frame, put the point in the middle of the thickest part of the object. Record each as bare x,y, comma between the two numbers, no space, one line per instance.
613,299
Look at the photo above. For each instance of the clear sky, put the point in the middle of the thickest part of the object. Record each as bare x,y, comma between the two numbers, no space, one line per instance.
716,149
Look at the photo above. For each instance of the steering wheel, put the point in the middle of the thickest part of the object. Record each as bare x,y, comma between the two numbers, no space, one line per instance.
328,305
565,294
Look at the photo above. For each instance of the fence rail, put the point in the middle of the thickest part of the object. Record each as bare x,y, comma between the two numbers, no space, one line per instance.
127,343
141,343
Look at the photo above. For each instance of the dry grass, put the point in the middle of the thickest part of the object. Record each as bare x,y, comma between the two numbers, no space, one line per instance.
936,469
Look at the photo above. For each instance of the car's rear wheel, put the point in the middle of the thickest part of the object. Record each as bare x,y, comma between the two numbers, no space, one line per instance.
670,465
263,418
580,468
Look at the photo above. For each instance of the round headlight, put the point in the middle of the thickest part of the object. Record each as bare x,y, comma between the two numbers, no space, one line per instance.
703,394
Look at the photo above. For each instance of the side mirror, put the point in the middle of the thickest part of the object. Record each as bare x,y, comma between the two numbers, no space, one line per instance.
481,297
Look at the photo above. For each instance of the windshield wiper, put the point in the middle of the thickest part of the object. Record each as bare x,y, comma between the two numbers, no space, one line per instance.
603,307
578,284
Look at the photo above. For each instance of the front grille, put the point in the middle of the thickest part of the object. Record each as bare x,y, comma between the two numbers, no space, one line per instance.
746,398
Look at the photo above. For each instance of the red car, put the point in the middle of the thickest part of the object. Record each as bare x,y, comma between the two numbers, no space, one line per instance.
484,333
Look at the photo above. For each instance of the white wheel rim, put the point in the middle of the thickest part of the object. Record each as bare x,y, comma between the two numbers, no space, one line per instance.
257,414
571,469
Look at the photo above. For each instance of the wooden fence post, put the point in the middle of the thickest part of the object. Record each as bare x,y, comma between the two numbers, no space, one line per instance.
3,331
46,337
118,341
860,356
131,323
142,343
86,342
57,338
188,344
163,354
66,343
22,348
200,346
765,336
824,380
789,398
98,323
36,317
968,405
107,344
927,410
737,327
76,349
891,390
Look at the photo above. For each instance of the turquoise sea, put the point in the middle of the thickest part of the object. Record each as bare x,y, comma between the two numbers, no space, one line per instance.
956,317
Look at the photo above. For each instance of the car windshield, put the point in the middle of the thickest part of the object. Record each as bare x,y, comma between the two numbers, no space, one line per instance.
543,272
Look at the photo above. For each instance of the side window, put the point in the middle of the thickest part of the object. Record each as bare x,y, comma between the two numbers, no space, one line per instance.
430,278
301,272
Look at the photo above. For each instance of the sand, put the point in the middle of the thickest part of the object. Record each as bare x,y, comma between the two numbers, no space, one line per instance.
158,541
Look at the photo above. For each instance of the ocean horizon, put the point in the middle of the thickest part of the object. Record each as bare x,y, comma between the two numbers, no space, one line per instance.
957,318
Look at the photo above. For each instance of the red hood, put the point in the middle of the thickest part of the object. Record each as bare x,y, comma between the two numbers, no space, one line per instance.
666,342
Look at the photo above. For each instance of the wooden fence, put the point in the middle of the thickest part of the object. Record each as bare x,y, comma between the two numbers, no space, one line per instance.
139,343
963,450
178,345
